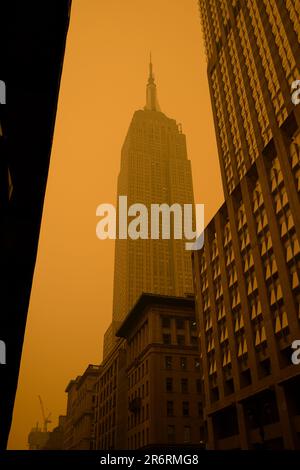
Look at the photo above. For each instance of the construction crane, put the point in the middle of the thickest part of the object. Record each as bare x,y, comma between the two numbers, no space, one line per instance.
46,419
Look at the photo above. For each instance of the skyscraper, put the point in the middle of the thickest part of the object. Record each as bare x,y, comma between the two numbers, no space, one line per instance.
154,170
247,276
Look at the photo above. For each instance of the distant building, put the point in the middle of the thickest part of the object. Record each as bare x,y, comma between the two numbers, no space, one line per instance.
37,438
56,436
110,419
78,426
154,170
149,388
247,276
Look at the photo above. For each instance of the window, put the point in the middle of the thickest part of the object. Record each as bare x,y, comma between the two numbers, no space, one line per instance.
185,408
170,408
184,386
168,362
165,321
171,433
200,409
197,363
180,340
183,363
187,434
167,339
198,385
179,324
169,384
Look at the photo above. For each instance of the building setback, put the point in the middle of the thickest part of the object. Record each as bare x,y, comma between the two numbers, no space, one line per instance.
149,388
246,277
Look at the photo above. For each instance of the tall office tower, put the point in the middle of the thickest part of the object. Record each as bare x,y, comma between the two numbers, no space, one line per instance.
154,170
247,275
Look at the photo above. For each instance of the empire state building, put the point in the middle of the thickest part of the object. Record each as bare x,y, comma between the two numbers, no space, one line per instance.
154,170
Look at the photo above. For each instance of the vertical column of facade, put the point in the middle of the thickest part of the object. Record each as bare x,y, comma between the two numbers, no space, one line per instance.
281,154
228,278
288,12
243,264
266,317
199,266
276,105
227,59
212,338
226,122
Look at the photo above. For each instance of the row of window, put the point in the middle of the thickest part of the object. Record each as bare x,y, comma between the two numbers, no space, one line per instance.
138,374
179,322
180,340
171,362
185,408
185,385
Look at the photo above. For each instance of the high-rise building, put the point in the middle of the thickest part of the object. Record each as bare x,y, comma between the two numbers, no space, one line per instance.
247,275
154,170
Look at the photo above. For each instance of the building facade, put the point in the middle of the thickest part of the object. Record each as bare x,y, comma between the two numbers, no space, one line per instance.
149,389
79,421
154,170
110,416
56,436
247,275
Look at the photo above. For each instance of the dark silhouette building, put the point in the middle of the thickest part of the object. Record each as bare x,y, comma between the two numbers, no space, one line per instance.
32,38
79,421
149,387
247,276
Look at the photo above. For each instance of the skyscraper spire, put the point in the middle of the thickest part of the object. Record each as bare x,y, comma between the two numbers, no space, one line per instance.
151,93
151,77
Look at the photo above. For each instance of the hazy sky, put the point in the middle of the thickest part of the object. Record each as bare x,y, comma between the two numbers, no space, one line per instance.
103,83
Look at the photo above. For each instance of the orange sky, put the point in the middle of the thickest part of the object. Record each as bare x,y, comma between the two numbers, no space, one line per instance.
103,83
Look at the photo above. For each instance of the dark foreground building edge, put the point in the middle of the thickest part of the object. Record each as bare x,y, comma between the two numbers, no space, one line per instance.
32,38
